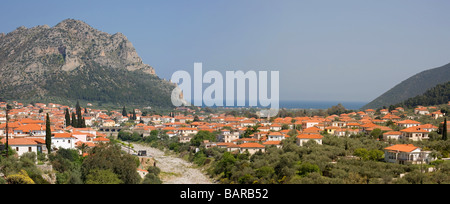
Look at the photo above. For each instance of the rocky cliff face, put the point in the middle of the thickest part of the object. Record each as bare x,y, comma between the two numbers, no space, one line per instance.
67,46
30,57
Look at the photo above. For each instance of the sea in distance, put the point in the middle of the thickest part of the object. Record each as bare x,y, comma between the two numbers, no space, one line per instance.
349,105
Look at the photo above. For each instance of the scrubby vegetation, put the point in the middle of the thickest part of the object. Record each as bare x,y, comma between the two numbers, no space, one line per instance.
358,159
338,161
105,164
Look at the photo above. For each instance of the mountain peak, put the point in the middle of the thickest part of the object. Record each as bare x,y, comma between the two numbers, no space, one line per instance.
72,23
36,62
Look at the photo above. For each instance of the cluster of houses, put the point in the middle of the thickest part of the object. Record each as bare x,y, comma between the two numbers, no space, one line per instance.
273,132
27,128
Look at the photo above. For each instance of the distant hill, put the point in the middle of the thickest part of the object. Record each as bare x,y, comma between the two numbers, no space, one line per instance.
73,61
411,87
439,94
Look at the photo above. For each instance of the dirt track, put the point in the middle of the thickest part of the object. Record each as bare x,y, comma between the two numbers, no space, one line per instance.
175,170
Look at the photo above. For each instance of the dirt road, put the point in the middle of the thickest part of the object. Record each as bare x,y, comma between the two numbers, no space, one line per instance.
175,170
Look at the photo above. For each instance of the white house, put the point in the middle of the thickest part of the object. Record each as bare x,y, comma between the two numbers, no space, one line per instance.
393,135
407,123
170,134
421,111
187,131
63,140
247,123
303,138
231,137
406,153
309,123
275,127
24,145
275,136
31,129
414,133
251,147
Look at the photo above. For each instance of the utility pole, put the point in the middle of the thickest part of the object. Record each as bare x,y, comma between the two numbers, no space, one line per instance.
7,130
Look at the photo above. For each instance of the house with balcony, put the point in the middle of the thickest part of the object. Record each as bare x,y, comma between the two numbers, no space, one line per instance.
406,154
407,123
414,133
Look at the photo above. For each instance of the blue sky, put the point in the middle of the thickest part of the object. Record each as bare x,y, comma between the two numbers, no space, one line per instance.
347,50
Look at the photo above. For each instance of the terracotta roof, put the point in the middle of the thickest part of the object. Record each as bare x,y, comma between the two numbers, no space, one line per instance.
23,141
408,122
226,144
413,129
62,135
402,147
29,127
247,139
275,134
272,143
353,124
427,126
309,136
392,133
31,121
311,130
251,145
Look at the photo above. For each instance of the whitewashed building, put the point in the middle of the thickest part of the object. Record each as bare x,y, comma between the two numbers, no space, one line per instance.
63,140
406,154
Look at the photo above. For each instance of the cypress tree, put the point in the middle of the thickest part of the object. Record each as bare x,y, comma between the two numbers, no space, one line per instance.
79,121
48,134
78,108
124,111
74,120
83,123
67,116
79,116
134,115
444,130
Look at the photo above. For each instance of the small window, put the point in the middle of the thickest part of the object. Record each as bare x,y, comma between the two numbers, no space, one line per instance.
29,149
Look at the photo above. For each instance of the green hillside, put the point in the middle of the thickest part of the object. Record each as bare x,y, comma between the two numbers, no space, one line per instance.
439,94
411,87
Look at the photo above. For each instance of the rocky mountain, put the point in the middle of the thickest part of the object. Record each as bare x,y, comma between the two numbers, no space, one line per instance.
412,87
72,61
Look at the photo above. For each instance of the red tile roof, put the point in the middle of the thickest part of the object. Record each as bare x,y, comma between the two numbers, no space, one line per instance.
402,148
23,141
309,136
63,135
251,145
414,129
272,143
